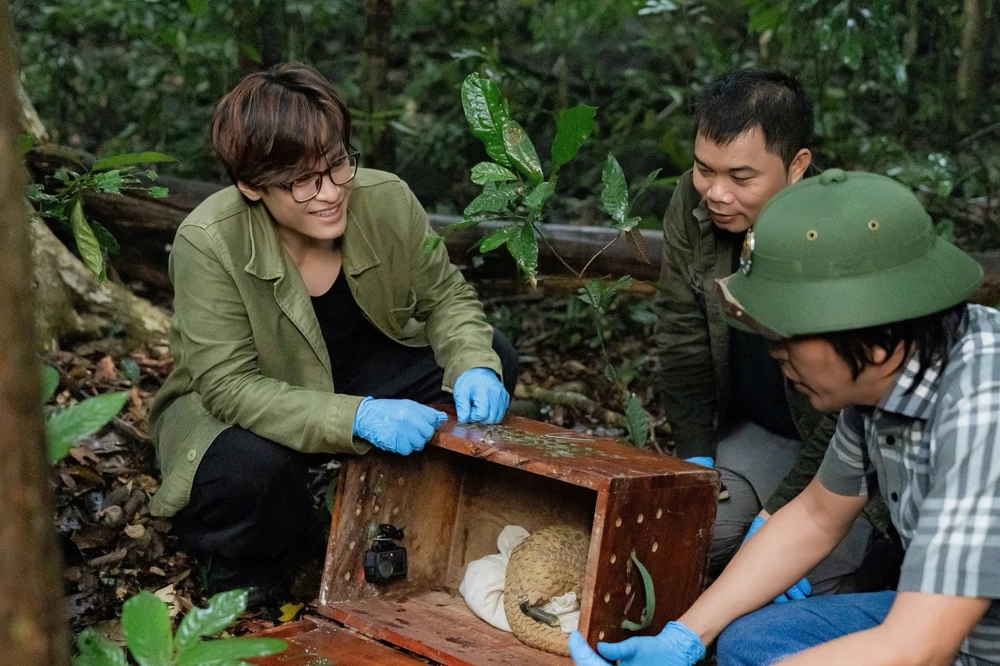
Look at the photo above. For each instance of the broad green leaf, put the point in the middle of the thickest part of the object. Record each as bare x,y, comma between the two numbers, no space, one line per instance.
96,650
852,50
50,382
146,624
198,7
573,128
635,418
488,172
69,424
158,192
211,653
109,182
493,198
498,238
486,110
131,158
614,195
25,142
521,151
86,241
523,246
108,242
540,195
222,611
591,293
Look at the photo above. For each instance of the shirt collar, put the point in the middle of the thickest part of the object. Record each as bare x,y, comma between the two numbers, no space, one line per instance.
701,212
911,398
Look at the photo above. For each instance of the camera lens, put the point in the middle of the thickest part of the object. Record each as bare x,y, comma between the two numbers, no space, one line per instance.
385,568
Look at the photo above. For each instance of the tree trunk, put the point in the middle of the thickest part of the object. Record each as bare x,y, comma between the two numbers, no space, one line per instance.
33,630
969,79
374,82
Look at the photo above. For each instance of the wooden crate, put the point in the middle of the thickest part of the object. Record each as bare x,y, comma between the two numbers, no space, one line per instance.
453,499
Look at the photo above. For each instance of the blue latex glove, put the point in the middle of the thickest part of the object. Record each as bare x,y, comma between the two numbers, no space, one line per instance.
480,397
399,426
801,589
676,645
704,461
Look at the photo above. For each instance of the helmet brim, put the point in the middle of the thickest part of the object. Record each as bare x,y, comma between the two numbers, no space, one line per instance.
778,309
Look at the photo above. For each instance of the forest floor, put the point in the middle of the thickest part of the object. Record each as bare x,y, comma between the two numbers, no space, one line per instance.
113,547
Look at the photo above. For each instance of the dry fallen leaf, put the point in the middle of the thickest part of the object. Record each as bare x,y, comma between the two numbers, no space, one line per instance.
106,370
289,611
135,531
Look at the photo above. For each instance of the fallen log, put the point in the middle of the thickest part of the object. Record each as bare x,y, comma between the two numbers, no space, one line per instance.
146,227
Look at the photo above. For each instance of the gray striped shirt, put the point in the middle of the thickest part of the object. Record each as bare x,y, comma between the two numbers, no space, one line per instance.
935,448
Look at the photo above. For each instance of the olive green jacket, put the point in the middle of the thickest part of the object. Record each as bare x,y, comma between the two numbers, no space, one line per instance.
248,348
692,346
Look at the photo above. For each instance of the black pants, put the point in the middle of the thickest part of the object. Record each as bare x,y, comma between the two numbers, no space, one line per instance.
250,498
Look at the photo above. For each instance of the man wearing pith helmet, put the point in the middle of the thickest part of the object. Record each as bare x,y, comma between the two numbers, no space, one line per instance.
865,309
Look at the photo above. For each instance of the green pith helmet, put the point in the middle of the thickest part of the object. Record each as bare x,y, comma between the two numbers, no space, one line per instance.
843,251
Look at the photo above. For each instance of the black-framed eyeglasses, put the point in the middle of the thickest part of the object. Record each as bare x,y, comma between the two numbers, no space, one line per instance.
341,173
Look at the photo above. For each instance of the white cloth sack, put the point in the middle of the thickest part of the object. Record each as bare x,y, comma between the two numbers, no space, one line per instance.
482,586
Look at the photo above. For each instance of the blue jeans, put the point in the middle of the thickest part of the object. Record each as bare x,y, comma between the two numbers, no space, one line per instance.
775,632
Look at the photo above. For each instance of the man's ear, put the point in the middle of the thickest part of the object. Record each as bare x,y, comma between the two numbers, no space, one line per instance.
799,164
249,192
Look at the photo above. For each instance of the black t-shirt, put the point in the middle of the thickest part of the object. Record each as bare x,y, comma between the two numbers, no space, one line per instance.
364,360
758,383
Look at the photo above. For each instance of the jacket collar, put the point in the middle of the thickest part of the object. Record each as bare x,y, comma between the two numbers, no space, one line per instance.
267,256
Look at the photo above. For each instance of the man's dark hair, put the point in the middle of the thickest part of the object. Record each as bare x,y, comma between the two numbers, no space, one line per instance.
278,125
739,101
931,337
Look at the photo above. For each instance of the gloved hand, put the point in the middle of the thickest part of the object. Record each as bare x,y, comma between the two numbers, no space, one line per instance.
676,645
399,426
801,589
704,461
480,397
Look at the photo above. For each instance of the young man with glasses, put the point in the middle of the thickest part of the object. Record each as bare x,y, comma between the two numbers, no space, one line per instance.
308,319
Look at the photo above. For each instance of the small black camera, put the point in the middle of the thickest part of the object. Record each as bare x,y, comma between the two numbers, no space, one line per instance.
385,560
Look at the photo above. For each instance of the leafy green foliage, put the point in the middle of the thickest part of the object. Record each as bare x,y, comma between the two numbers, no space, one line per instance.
50,382
573,128
68,424
638,424
146,624
110,175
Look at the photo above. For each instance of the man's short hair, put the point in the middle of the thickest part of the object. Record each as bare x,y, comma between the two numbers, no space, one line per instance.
739,101
930,337
278,125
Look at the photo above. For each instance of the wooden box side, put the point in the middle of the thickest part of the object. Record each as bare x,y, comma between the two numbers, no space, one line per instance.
669,529
417,493
579,459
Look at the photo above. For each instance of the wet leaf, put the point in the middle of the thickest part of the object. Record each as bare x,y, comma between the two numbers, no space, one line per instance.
96,650
211,652
540,195
638,425
614,195
524,248
222,610
146,624
86,241
493,198
486,110
573,128
521,151
498,238
131,158
50,382
488,172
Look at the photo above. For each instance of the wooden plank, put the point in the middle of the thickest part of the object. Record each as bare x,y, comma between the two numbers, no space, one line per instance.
669,529
310,641
439,626
583,460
